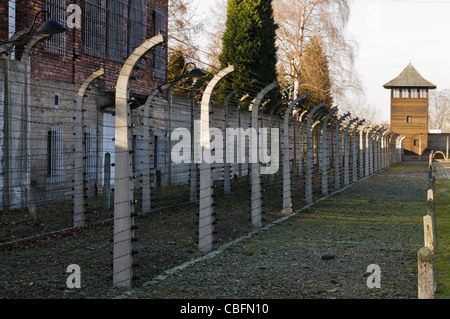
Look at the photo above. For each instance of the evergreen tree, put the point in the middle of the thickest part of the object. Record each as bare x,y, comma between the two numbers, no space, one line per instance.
315,75
249,44
175,68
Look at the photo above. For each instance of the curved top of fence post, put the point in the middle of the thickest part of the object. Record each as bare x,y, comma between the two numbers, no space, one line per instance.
401,140
394,138
88,81
27,51
291,106
257,102
355,129
227,100
132,60
328,117
311,114
300,118
350,124
155,92
206,100
341,119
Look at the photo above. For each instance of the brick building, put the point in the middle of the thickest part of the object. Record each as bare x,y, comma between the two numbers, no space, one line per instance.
37,94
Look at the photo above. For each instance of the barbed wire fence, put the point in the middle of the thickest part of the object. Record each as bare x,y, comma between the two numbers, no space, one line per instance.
63,197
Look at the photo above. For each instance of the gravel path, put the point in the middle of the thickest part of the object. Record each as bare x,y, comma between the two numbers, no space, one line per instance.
320,252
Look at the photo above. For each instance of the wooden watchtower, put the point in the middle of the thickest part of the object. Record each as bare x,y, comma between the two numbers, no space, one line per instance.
409,108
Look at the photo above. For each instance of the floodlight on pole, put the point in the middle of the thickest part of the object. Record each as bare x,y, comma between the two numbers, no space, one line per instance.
48,28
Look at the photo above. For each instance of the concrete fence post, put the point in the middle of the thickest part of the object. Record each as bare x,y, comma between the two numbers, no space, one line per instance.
79,178
124,223
146,163
355,151
347,152
309,154
384,150
431,211
256,199
301,142
426,274
367,152
447,149
400,148
362,151
287,200
272,121
376,150
371,150
337,152
428,232
205,241
324,151
226,165
107,182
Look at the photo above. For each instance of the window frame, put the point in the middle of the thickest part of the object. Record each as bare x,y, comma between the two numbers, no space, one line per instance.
159,55
56,44
405,92
55,154
396,93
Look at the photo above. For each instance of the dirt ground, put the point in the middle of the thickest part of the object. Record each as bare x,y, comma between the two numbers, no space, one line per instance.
320,252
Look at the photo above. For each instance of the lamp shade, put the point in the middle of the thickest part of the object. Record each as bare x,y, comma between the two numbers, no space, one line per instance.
196,73
51,27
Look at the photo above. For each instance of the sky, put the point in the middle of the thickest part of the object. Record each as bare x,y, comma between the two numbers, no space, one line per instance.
391,34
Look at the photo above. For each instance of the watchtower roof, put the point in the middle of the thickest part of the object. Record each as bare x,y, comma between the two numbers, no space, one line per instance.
409,77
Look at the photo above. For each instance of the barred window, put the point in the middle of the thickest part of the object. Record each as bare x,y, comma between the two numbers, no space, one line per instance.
55,154
117,29
94,27
138,23
114,28
56,43
159,25
12,23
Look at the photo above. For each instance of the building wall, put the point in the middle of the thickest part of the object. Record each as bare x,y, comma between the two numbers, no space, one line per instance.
417,109
75,64
438,142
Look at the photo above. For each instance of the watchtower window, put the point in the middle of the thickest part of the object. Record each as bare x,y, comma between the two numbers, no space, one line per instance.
408,119
395,93
405,93
414,93
423,93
